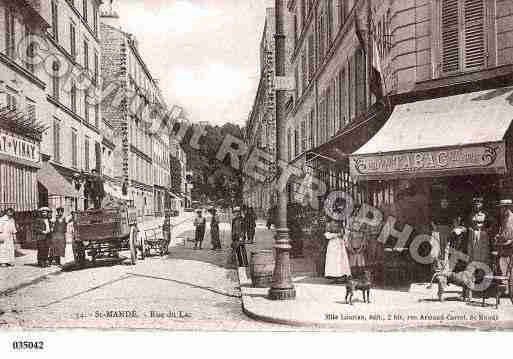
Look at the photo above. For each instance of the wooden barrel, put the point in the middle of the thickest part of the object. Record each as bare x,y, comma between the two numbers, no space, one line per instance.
262,267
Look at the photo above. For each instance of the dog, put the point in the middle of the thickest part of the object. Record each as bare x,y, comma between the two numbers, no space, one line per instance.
364,284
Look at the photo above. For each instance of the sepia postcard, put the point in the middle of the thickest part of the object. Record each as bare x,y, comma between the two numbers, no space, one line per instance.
256,165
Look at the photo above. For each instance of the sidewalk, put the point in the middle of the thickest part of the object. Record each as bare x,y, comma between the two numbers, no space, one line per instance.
321,304
26,272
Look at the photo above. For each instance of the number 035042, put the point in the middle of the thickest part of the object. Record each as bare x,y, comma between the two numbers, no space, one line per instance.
27,345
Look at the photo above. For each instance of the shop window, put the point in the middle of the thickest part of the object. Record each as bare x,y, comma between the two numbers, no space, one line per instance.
463,35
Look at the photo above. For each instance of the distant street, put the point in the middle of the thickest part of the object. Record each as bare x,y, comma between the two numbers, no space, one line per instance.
189,289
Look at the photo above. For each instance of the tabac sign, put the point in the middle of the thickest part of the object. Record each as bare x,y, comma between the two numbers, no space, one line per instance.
487,158
17,147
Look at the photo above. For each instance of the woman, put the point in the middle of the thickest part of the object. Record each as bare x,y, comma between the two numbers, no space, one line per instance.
337,261
7,238
214,230
58,238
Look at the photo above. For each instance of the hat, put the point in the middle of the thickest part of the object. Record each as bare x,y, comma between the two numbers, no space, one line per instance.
44,209
505,203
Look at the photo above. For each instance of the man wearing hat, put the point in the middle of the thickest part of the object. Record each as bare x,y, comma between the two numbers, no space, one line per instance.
504,238
238,235
43,230
200,225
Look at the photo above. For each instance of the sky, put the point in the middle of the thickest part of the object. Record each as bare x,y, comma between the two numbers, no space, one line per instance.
205,53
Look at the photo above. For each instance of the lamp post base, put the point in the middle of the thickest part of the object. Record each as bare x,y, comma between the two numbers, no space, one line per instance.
282,287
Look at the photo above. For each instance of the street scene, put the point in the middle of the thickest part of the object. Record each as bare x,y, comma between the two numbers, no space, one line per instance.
260,165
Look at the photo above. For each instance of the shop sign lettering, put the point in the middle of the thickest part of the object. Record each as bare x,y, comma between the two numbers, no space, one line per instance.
478,157
17,147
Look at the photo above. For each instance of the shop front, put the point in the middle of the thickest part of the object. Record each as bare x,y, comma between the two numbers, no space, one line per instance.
19,163
437,155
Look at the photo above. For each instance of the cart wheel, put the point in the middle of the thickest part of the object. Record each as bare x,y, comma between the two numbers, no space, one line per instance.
133,248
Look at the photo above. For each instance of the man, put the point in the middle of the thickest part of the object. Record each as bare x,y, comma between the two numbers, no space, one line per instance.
239,248
200,225
504,239
441,223
57,244
7,238
43,230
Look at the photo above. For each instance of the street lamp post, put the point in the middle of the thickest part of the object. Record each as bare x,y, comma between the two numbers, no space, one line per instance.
281,287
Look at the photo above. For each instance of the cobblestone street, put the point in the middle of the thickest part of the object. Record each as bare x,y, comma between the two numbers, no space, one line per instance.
189,289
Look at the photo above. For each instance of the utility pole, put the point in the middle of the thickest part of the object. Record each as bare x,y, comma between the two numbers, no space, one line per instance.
281,287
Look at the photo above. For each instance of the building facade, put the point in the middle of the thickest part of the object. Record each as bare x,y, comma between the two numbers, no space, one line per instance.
399,101
134,108
261,124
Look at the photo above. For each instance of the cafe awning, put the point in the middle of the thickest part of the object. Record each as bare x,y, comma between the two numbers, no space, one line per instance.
461,134
55,183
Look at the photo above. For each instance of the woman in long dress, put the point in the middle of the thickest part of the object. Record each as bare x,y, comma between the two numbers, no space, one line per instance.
337,261
7,238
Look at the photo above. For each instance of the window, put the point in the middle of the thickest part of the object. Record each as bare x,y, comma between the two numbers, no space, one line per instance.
55,80
96,68
463,35
311,140
73,95
10,40
86,55
57,141
296,142
30,109
86,106
95,18
361,90
329,5
311,56
86,153
12,101
73,44
303,136
29,56
296,83
304,71
84,13
343,107
97,115
55,21
351,72
74,148
321,38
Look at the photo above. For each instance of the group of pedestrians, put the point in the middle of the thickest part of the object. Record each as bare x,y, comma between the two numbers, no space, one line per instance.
51,236
200,224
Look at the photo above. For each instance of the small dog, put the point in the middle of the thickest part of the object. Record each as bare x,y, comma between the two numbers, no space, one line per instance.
364,284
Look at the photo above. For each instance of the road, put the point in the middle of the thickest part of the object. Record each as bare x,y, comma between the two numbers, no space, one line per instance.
187,290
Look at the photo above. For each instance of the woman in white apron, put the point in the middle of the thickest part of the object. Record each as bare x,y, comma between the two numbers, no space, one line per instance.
7,238
337,261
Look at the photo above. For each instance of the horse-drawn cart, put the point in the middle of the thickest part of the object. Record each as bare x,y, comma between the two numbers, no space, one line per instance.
103,233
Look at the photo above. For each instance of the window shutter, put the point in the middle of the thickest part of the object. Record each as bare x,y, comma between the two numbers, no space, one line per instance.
450,36
475,52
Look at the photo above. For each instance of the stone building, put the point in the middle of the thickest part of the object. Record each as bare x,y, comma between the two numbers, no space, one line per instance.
397,97
261,124
133,105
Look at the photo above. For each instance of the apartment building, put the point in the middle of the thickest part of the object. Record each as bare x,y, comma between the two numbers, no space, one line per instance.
261,124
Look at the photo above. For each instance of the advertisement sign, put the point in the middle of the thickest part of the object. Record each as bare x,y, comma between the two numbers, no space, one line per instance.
479,158
18,147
